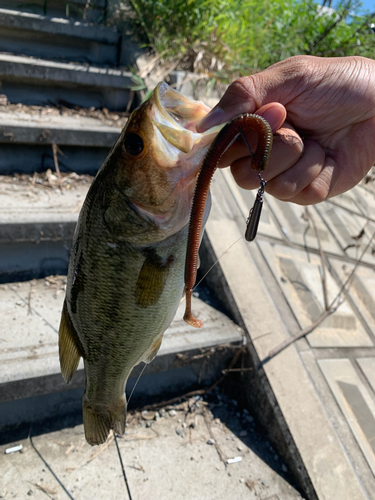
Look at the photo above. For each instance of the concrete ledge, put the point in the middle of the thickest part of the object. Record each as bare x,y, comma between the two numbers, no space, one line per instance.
28,68
74,9
30,81
62,130
82,160
57,26
36,228
84,141
283,391
58,39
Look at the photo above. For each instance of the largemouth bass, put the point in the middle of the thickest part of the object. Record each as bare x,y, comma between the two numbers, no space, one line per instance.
126,271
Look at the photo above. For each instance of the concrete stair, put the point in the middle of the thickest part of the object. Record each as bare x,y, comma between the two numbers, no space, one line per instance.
58,38
29,80
64,102
83,140
94,11
31,387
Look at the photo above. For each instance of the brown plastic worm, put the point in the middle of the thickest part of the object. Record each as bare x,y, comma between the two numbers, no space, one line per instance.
246,122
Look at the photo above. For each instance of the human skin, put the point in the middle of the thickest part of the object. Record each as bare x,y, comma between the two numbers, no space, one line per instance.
322,112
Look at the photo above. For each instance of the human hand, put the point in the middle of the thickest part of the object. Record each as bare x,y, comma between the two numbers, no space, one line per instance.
327,143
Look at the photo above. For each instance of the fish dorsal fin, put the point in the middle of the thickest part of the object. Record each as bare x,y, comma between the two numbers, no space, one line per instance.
68,350
151,279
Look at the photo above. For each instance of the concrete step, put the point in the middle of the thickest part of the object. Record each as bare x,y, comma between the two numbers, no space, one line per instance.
31,386
37,221
93,11
57,38
35,81
83,136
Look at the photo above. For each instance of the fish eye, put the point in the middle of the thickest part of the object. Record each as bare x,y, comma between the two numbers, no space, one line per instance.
133,144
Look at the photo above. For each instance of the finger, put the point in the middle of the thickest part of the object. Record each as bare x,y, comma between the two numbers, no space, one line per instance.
306,172
321,187
286,151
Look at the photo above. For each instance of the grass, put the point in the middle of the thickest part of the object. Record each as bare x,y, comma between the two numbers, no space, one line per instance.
224,39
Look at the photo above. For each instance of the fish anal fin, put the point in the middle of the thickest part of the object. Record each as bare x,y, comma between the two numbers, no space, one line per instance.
151,280
68,350
98,421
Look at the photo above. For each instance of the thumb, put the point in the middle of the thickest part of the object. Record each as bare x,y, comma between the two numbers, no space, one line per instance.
236,100
278,83
274,113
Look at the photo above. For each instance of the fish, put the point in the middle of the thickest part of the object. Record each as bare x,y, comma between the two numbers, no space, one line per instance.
126,270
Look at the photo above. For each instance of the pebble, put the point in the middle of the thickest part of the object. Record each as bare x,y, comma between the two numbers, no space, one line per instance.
162,412
179,431
246,412
148,424
242,433
172,413
210,441
250,419
242,480
284,468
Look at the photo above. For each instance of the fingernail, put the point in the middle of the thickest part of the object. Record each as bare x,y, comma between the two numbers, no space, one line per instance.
215,117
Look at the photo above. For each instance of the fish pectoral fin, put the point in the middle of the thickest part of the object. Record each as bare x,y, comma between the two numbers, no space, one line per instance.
68,350
152,352
151,280
99,421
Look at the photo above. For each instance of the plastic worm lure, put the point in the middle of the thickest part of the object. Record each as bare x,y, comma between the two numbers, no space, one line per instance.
239,125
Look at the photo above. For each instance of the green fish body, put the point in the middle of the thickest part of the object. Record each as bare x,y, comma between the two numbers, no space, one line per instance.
126,271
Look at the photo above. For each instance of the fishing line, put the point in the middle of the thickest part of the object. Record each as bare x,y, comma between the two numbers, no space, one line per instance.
217,261
136,382
48,466
122,468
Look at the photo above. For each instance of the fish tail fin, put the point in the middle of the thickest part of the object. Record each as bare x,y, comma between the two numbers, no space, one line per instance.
68,350
99,421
